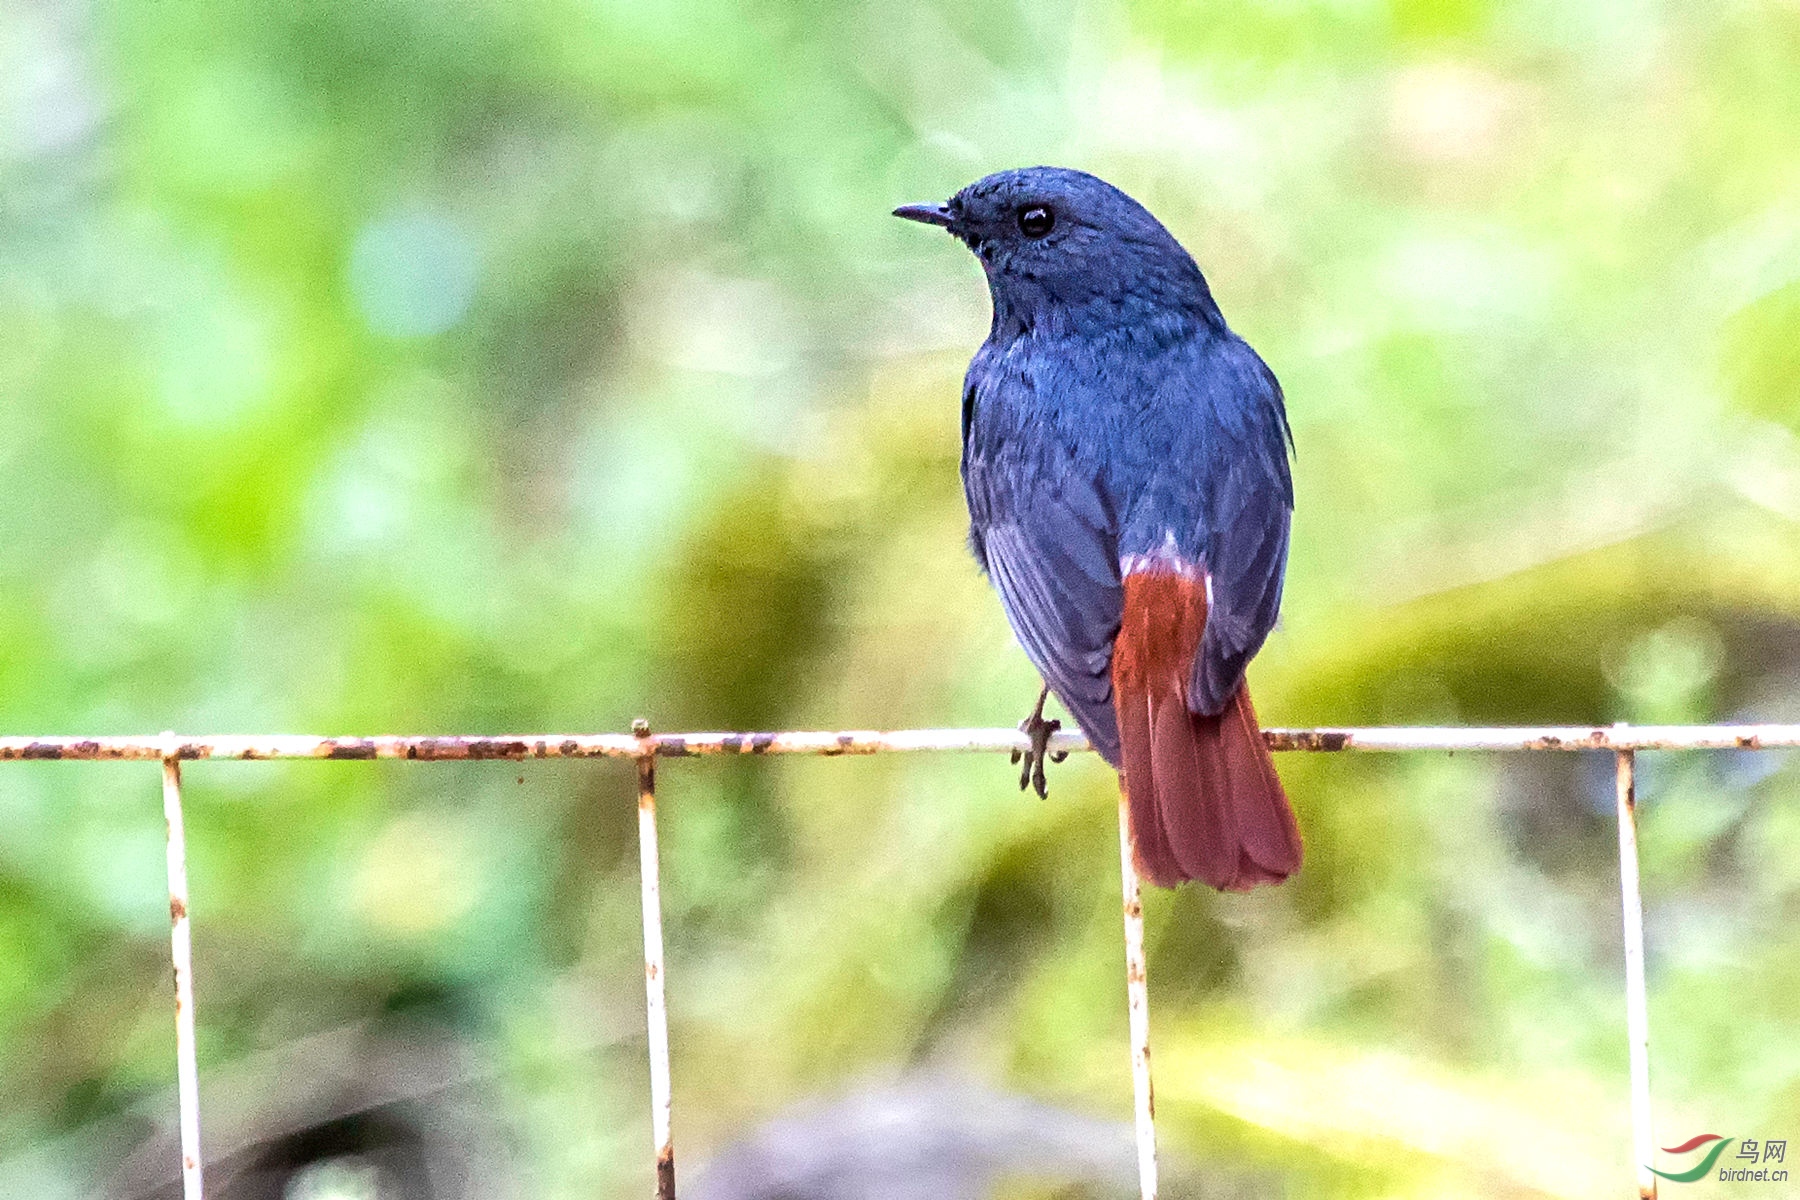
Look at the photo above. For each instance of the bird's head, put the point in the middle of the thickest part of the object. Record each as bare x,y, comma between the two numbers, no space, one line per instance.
1054,240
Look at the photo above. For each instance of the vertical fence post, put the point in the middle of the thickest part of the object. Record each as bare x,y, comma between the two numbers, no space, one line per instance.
656,1014
1137,998
181,948
1637,1006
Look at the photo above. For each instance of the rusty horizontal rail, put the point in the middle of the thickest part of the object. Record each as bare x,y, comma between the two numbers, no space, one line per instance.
680,745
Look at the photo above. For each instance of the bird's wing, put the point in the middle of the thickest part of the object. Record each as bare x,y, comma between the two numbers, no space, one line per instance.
1250,504
1049,541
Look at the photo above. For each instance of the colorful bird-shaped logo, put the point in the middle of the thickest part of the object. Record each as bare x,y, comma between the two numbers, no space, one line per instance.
1704,1167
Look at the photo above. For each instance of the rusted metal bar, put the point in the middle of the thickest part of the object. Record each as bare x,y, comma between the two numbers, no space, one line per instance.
656,1013
527,746
1137,1002
1637,1005
181,946
679,745
1547,737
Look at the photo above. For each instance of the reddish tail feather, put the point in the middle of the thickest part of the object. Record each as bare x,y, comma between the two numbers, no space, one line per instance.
1205,800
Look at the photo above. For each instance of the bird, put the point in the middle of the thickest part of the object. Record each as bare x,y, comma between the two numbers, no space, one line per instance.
1125,460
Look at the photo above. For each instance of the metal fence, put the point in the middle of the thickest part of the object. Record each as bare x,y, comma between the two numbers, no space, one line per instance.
171,750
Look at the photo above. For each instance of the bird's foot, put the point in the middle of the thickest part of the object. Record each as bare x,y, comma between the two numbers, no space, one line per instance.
1035,727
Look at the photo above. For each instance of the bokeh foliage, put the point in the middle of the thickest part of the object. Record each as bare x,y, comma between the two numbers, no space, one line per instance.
398,366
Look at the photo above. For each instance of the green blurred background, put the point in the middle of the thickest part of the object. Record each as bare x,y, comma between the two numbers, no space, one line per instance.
394,366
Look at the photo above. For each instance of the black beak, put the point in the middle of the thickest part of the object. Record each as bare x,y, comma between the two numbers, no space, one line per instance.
926,214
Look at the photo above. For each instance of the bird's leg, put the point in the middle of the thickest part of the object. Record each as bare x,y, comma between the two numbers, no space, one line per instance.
1038,730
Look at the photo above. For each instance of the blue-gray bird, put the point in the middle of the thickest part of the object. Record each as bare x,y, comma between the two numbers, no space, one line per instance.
1125,462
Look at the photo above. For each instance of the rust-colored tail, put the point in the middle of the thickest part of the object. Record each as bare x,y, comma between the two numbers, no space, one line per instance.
1206,803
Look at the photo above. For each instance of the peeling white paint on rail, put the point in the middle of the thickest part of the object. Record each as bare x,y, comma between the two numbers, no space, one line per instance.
1637,1001
681,745
1137,1003
187,1071
655,1009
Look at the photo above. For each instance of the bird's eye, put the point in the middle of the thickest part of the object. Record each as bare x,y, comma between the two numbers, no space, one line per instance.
1036,220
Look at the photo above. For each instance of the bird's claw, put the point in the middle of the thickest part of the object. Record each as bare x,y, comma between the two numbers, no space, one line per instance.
1036,728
